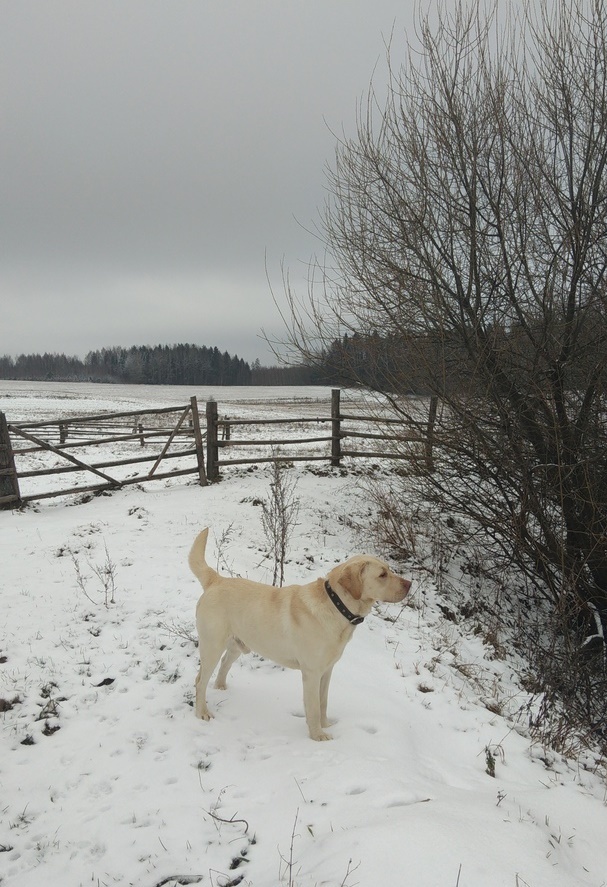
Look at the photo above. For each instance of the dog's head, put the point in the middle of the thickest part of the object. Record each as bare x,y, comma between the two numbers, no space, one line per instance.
366,578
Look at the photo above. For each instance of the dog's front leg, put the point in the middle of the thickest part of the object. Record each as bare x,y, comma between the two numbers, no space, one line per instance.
324,695
311,693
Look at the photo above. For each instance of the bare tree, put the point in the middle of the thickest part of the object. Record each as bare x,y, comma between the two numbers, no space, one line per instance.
279,515
467,222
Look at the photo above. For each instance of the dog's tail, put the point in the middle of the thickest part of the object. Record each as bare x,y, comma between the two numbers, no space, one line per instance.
198,565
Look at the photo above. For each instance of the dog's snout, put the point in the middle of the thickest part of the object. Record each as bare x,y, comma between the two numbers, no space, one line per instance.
406,586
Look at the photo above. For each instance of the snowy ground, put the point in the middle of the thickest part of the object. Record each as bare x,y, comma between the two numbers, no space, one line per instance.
38,401
108,778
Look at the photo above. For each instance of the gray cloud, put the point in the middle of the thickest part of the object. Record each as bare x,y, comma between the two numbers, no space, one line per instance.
152,153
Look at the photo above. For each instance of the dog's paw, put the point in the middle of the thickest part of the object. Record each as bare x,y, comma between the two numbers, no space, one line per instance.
321,736
220,685
204,715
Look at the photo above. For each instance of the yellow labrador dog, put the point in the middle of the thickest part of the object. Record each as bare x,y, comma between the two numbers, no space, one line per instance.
298,626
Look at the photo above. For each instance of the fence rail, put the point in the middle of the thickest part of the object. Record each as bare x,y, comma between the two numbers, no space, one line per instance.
201,451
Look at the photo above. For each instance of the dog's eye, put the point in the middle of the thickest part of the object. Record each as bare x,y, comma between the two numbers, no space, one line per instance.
383,574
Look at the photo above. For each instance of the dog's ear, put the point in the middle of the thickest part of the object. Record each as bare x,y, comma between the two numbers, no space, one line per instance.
350,578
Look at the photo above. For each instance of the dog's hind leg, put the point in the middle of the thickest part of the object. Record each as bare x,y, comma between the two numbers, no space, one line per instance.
233,651
210,653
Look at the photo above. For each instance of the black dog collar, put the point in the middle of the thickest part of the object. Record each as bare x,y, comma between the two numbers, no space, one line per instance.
352,618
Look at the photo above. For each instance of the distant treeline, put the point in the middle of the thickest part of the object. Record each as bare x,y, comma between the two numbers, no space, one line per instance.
152,365
383,363
157,365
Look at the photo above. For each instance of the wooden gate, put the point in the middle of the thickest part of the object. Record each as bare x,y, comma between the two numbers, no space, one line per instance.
60,436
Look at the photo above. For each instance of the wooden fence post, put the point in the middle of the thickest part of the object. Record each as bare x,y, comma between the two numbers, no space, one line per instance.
212,447
10,495
202,475
430,432
335,428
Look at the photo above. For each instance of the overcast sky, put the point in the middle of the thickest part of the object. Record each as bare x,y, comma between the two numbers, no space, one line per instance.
155,155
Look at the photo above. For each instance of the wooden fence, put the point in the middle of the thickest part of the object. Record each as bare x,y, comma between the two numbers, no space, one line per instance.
339,431
345,436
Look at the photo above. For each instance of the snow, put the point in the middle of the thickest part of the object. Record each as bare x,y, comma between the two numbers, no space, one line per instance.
107,777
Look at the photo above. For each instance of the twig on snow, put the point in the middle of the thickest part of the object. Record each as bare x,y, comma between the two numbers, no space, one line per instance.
231,821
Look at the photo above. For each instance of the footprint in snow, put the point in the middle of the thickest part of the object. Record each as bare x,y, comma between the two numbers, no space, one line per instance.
368,728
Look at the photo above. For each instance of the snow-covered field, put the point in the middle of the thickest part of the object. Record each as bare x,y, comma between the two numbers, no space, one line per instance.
107,778
22,401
